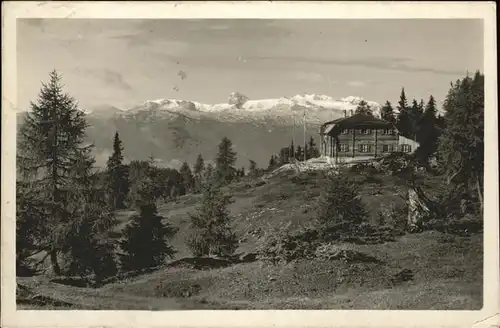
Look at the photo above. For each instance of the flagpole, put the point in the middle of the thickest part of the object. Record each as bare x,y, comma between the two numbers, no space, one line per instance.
305,141
293,137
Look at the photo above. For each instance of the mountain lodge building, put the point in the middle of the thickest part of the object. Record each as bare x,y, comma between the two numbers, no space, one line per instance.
361,137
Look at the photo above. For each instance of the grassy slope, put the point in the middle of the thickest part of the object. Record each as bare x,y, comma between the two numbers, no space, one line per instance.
447,269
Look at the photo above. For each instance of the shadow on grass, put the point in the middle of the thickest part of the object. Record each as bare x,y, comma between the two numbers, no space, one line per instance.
208,263
196,263
72,281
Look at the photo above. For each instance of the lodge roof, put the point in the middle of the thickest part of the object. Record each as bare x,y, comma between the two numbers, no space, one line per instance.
354,122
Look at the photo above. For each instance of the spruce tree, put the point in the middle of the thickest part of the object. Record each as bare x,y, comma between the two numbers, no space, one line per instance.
199,168
415,118
117,175
461,146
403,101
272,163
283,156
209,173
56,165
363,108
145,240
429,131
313,151
292,150
252,168
89,250
404,119
339,202
143,189
187,177
225,160
211,231
299,154
421,107
387,113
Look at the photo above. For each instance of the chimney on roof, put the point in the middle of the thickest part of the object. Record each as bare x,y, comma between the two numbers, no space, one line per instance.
351,112
345,112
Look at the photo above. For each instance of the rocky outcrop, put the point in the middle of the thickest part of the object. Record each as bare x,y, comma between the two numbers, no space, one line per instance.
237,99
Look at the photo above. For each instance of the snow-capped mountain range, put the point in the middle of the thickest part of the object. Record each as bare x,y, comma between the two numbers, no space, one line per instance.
284,110
173,130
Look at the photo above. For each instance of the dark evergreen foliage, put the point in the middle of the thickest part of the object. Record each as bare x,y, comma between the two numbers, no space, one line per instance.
387,112
299,153
117,176
145,242
58,186
211,231
312,150
209,174
363,108
403,121
225,160
198,170
273,163
340,202
461,146
429,132
187,177
252,168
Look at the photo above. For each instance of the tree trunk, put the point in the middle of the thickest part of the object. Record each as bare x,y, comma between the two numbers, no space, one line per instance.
54,262
418,208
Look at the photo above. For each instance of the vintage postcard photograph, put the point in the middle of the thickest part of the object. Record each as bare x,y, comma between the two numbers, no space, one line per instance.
179,158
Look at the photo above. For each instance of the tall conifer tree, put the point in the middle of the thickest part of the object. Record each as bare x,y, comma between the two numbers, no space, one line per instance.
403,122
363,108
387,112
56,165
198,170
146,240
252,168
225,160
429,131
461,146
187,177
211,228
117,175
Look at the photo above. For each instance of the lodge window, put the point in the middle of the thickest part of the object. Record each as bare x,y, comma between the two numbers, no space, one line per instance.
344,148
364,131
364,148
387,148
406,148
387,132
345,131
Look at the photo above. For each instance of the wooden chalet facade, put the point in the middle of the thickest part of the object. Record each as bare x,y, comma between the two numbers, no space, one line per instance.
361,136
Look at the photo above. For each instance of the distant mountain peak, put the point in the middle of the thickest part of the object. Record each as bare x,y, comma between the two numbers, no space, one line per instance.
240,108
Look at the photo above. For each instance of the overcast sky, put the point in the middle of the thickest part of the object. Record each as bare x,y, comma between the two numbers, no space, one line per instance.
125,62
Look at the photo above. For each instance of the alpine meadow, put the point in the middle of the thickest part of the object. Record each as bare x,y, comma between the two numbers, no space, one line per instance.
365,192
